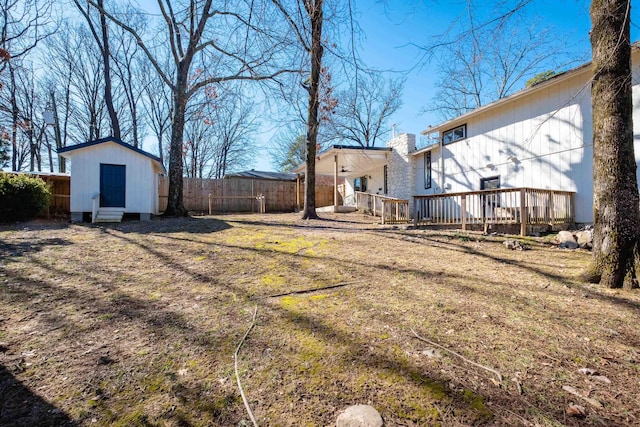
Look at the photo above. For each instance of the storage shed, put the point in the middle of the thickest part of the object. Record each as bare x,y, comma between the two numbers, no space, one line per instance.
110,178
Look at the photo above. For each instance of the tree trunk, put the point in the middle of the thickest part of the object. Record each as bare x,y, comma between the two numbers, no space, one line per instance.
615,187
175,205
108,98
14,120
316,16
62,165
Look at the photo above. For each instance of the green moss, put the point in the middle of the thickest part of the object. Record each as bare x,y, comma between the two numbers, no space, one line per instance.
476,402
135,418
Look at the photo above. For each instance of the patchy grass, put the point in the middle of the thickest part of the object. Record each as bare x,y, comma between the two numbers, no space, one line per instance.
136,324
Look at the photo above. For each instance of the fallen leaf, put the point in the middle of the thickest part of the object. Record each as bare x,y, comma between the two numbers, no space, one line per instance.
576,411
592,402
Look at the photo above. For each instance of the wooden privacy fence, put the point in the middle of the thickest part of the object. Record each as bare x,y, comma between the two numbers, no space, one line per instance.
390,209
60,187
523,206
240,195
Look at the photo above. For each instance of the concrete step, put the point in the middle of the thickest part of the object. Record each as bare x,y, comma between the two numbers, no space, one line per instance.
109,215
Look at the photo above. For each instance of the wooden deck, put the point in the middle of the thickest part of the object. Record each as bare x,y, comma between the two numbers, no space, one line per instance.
516,206
389,209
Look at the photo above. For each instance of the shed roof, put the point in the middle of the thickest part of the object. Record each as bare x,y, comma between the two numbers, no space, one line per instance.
254,174
64,150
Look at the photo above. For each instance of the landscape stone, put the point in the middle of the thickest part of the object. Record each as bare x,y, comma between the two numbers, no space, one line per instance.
585,239
359,416
565,236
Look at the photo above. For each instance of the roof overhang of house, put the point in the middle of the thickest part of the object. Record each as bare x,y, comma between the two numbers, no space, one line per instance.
457,121
431,147
67,152
558,78
350,160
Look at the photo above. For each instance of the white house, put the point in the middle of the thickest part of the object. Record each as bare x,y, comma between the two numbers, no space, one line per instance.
110,178
540,137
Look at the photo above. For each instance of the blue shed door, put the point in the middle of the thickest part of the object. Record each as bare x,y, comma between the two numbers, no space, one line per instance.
112,185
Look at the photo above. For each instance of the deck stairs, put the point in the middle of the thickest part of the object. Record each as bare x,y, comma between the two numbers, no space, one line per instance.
109,215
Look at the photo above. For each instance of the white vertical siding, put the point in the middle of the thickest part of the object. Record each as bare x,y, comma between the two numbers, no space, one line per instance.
141,179
543,131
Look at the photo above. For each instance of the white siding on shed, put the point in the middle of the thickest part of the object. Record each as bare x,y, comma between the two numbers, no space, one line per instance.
141,177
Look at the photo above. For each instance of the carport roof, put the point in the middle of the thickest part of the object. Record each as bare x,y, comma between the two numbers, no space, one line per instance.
351,159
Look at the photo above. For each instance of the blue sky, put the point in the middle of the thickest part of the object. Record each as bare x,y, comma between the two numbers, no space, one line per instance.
391,27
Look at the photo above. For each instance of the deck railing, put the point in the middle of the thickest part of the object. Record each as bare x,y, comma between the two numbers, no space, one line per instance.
523,206
390,209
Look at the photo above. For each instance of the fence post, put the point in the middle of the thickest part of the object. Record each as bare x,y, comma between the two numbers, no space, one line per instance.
463,206
374,209
523,212
552,209
415,211
209,203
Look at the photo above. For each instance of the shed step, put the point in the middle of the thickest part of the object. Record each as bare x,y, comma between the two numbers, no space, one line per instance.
109,216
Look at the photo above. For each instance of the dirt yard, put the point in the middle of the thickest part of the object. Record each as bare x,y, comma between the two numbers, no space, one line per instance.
136,324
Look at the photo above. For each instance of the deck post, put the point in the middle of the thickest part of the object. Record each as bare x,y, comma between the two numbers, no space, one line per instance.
374,209
463,206
552,212
298,179
335,183
523,212
415,211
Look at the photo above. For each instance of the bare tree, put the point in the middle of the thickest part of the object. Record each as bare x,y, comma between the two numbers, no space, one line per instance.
305,18
234,126
23,24
129,78
202,58
100,33
65,85
363,111
488,60
157,106
615,186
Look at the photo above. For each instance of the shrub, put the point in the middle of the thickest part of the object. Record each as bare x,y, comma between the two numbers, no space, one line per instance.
22,197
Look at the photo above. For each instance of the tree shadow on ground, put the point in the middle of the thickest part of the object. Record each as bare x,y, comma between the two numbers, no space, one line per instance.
28,246
166,322
163,225
20,406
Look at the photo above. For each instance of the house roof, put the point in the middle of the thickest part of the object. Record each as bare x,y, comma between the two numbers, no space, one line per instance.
88,144
351,159
560,77
254,174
